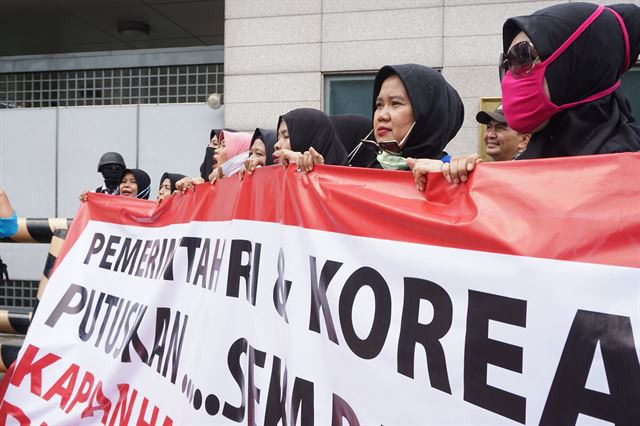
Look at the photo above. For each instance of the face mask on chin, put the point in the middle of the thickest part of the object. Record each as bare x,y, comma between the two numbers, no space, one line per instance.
392,161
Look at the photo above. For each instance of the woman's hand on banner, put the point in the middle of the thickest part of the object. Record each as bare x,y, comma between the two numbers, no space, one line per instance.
83,195
250,165
215,175
306,161
420,167
188,183
458,169
286,156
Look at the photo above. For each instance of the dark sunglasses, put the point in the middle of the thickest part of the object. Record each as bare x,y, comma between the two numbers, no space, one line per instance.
391,147
519,60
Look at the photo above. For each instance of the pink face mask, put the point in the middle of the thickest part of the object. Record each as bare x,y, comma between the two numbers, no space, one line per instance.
524,102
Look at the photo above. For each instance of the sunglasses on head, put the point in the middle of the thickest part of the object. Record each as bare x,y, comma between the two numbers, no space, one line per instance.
519,60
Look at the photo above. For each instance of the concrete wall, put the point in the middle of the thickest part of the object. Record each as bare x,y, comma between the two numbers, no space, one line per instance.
276,51
49,155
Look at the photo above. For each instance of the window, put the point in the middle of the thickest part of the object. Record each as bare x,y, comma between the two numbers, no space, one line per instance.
348,94
631,87
117,86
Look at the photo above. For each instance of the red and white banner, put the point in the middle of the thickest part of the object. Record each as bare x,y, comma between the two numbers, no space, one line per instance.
347,297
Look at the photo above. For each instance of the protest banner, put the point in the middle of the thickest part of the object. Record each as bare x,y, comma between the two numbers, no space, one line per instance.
346,296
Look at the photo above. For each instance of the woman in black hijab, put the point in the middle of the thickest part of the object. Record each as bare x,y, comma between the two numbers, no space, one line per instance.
415,114
308,129
560,81
351,129
208,162
261,150
588,113
167,185
437,109
135,183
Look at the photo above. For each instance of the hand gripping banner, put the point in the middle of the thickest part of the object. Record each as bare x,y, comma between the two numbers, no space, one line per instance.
347,297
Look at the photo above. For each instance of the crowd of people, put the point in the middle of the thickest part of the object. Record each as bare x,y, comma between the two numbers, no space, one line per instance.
560,74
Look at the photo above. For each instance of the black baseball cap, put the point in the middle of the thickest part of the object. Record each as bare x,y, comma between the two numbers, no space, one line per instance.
483,117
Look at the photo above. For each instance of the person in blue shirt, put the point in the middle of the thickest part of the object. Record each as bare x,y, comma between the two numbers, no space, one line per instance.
8,218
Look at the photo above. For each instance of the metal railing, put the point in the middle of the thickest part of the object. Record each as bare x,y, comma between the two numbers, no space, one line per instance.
31,230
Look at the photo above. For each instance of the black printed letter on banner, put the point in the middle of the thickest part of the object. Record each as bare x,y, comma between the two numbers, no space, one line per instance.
568,395
481,351
281,289
370,346
319,296
428,335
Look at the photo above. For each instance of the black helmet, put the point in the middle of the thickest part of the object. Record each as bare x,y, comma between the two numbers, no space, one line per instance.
111,158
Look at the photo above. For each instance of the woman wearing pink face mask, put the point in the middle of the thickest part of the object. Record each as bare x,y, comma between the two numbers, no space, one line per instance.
561,73
560,81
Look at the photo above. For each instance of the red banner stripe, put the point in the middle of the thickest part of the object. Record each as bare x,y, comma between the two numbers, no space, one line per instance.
584,209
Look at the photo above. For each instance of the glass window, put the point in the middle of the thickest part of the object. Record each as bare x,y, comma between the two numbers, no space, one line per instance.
348,94
58,87
631,87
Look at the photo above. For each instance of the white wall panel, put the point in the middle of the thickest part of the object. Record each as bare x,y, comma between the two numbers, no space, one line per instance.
382,25
272,30
173,138
332,6
272,59
256,8
84,134
28,159
27,173
261,114
371,55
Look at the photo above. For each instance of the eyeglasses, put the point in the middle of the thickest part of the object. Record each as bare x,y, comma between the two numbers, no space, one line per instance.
519,60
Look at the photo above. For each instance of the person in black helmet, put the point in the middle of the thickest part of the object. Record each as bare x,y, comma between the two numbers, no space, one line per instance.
111,165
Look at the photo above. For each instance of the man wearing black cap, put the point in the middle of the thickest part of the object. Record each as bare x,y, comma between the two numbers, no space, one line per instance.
111,165
501,142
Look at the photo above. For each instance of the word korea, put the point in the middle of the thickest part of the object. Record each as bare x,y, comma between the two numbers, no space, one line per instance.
567,394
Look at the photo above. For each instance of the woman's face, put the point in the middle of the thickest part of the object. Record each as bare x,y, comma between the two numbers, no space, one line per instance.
282,143
128,185
258,152
213,143
165,188
393,116
220,153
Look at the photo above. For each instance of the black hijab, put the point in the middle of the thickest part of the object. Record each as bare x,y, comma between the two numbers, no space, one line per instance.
592,63
208,162
269,138
173,178
216,132
310,127
437,108
351,129
142,180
